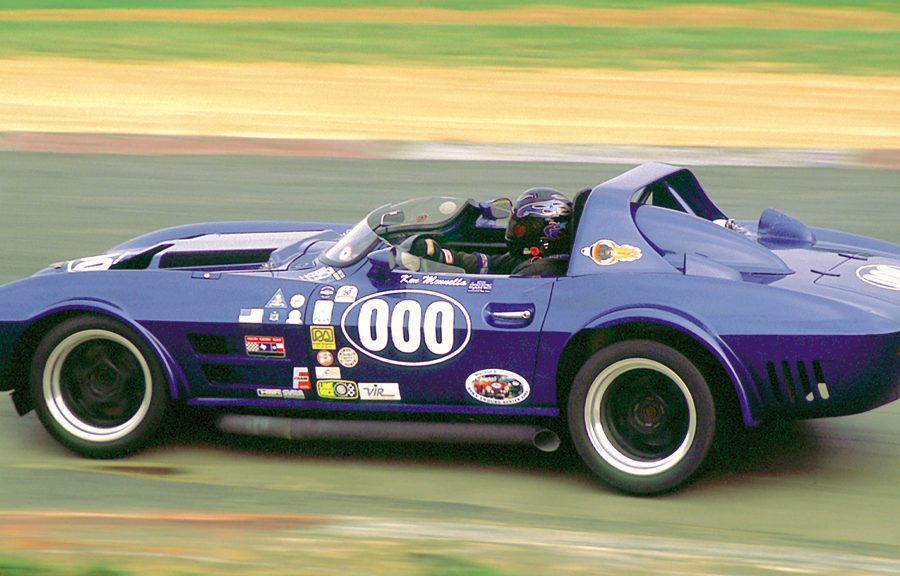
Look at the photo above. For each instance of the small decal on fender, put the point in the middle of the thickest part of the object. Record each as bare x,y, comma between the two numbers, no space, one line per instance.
607,252
497,386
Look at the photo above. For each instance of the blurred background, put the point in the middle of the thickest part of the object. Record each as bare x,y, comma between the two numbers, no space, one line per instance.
118,117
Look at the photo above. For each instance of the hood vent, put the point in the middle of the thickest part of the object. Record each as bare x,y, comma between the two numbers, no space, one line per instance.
213,258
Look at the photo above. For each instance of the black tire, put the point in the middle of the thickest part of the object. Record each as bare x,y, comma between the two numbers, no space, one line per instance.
641,416
98,388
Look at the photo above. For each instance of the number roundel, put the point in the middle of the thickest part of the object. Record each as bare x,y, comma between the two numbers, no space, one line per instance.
407,332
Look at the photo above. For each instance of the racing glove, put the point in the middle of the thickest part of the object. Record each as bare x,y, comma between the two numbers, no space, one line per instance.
429,248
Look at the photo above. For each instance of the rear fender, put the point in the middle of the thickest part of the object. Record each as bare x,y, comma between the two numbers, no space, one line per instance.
698,332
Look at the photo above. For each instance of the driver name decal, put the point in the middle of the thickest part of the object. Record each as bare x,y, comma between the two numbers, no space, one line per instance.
407,327
432,280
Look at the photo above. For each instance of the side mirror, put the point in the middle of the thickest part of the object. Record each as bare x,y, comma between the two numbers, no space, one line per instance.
382,262
386,260
497,209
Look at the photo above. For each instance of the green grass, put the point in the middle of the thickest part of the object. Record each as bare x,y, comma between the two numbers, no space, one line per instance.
408,44
11,566
886,5
825,51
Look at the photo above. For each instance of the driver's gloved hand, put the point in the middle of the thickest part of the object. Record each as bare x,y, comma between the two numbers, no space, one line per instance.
426,248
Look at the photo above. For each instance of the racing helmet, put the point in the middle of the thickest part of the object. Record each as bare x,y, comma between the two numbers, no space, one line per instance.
539,223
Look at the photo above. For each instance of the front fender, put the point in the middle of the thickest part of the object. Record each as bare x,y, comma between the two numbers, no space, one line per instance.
174,376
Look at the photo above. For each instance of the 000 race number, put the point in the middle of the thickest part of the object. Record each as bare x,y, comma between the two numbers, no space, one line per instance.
407,332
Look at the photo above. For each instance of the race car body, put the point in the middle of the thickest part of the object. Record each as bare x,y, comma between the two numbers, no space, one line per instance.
671,316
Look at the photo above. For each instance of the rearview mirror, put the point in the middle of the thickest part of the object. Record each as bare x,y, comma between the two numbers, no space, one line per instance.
392,217
498,208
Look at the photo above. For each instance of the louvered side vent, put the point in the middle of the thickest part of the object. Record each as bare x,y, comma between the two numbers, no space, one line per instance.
219,374
208,343
792,382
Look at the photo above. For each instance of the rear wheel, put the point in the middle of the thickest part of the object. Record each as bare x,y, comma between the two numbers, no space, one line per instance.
641,416
98,387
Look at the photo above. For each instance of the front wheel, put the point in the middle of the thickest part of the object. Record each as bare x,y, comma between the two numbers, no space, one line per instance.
98,387
641,416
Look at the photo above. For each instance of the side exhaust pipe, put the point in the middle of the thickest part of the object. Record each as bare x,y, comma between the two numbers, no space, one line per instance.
449,432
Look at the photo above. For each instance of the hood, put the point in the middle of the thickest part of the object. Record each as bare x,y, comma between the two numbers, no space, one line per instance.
876,277
218,251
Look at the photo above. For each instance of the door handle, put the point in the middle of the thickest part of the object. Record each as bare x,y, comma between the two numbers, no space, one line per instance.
513,315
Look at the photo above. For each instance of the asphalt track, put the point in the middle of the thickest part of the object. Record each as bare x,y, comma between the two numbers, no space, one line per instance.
814,497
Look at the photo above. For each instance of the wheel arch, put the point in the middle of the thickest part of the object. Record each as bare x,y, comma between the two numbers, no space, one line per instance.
31,337
711,356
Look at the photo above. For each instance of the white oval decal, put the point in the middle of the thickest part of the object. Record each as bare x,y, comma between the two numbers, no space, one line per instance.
393,328
497,386
880,275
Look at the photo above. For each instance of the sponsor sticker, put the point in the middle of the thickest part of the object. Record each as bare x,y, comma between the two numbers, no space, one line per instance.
298,300
326,292
379,391
346,294
328,373
322,337
337,389
497,386
280,393
880,275
322,311
277,300
264,346
294,317
607,252
251,316
274,317
300,378
480,287
325,358
317,275
347,357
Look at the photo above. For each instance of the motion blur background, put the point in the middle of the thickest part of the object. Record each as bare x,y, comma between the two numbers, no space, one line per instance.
122,116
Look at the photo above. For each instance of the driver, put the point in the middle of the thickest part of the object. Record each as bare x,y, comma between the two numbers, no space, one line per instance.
537,240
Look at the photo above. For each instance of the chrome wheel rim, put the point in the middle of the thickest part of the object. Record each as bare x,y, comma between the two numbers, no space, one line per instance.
640,416
97,385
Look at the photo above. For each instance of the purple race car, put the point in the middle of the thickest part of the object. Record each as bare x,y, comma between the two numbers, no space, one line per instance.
668,319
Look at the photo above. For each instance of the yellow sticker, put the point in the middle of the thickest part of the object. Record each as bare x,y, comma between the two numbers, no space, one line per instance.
337,389
322,337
